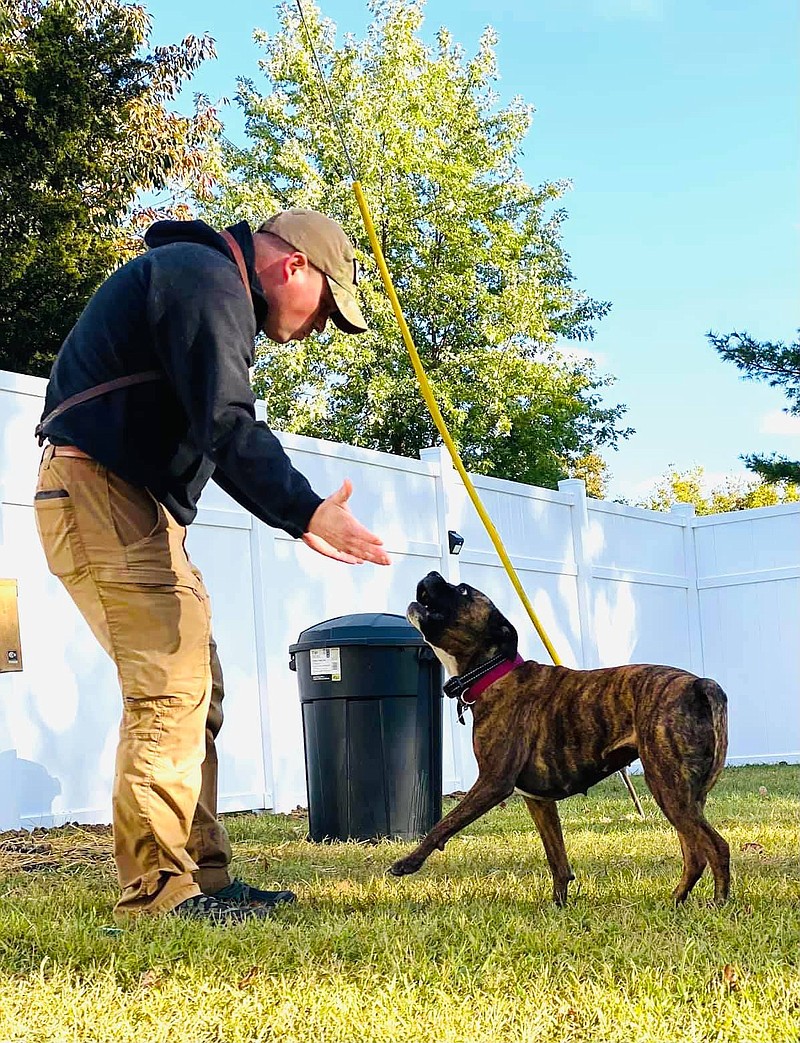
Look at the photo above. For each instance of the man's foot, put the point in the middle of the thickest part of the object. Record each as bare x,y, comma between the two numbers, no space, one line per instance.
207,907
240,894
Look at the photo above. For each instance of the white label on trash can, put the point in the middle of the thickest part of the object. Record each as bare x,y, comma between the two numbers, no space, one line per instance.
326,664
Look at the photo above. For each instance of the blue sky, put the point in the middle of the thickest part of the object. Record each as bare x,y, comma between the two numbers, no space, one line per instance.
677,124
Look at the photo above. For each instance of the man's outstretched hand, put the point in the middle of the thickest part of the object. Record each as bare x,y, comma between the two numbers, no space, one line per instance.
335,532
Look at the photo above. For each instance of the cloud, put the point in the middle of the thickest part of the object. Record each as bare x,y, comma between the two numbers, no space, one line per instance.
599,358
712,480
570,351
777,422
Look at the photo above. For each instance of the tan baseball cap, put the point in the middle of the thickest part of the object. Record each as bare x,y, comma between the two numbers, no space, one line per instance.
327,247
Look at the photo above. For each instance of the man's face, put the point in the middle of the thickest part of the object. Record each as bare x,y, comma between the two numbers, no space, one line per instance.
299,300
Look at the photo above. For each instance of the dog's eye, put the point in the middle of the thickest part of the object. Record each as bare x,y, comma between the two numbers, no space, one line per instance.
464,589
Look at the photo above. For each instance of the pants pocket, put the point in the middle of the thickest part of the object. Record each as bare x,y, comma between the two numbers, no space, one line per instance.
55,522
160,631
139,521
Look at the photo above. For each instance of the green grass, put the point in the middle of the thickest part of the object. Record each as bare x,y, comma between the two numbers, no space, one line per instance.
468,950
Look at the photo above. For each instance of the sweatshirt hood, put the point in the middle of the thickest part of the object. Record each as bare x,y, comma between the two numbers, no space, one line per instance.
162,233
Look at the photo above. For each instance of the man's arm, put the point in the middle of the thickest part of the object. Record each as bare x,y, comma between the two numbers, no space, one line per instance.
205,333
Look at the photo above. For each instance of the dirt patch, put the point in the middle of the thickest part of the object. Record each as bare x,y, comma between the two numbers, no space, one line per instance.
65,847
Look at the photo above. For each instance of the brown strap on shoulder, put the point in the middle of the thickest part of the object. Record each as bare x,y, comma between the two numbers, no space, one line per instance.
238,256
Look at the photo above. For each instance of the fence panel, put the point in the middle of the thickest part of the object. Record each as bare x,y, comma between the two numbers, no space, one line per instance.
640,586
610,584
748,575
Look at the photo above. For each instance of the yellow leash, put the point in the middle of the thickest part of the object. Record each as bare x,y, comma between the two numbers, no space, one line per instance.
438,419
424,384
427,393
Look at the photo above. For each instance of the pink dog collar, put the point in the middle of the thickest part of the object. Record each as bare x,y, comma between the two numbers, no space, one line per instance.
494,674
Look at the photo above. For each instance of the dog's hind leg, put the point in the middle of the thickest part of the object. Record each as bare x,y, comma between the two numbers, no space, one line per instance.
701,845
719,859
693,865
545,814
682,754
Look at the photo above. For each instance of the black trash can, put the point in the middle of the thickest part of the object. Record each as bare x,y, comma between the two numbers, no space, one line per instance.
371,695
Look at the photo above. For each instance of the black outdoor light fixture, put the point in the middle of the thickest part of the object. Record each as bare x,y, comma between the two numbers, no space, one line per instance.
455,541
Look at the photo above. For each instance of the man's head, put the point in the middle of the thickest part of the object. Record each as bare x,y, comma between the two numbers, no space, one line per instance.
308,273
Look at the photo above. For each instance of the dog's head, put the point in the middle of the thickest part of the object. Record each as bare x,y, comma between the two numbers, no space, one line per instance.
461,624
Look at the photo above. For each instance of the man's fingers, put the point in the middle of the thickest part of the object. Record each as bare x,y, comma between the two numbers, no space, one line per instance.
345,538
343,493
374,552
368,545
356,553
323,547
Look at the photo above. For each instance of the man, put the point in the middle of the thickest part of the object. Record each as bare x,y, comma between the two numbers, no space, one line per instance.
148,398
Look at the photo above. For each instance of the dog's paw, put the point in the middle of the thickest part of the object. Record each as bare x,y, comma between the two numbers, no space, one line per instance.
404,866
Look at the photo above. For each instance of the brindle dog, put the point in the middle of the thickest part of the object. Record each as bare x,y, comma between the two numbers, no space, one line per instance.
548,732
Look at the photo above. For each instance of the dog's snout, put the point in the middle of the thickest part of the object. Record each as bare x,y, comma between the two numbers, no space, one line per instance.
428,585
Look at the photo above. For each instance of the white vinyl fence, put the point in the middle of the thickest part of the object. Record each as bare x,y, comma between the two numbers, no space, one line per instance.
719,596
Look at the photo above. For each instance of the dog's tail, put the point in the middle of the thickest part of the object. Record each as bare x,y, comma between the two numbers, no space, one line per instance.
714,702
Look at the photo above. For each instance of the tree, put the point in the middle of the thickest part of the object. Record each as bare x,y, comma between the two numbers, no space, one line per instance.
734,494
83,129
593,470
476,260
779,365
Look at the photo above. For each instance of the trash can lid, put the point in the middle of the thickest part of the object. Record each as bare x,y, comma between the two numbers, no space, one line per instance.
359,628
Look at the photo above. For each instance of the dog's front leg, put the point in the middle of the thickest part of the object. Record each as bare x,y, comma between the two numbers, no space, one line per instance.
483,796
545,814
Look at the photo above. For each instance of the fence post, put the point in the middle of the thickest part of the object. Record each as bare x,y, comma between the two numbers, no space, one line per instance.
445,483
262,557
686,513
451,570
575,488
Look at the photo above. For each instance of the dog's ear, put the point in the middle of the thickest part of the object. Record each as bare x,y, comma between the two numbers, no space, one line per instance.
503,635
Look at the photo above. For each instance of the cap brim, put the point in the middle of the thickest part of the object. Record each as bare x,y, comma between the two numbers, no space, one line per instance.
348,315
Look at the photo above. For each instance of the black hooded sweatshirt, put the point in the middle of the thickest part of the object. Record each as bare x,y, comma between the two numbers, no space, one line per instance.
181,309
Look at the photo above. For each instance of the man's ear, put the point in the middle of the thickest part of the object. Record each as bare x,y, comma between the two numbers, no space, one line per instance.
503,635
294,262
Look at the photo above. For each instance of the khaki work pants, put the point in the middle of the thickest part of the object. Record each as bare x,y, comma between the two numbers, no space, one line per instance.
121,557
